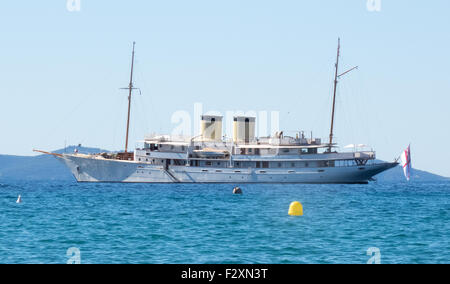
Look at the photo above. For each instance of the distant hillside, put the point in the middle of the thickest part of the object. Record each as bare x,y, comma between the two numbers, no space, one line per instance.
45,167
396,175
42,167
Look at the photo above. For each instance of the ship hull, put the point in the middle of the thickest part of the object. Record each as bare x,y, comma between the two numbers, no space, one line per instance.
103,170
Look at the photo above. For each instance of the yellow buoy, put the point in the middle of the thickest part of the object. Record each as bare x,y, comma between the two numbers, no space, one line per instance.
296,209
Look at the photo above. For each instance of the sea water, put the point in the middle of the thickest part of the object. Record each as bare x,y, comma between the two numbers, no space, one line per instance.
201,223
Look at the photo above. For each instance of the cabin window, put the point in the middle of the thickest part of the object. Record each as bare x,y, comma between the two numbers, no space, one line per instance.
279,165
182,148
303,151
258,164
237,164
265,165
242,151
306,164
178,162
208,163
257,151
250,150
293,165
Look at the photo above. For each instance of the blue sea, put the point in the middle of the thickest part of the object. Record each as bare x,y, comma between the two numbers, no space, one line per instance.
199,223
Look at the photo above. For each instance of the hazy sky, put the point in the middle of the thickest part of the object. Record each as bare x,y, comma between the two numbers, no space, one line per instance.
61,71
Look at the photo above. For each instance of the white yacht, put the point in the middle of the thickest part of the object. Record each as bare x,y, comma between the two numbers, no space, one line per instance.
245,158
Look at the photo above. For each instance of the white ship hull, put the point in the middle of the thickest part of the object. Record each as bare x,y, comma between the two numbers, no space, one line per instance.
103,170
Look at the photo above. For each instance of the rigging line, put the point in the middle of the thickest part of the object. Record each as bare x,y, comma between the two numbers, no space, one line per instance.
120,114
377,114
67,116
341,117
141,104
316,80
320,121
345,103
369,104
147,107
136,119
143,114
104,120
362,110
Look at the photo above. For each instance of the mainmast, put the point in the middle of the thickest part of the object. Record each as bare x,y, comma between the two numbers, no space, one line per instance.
130,88
334,94
336,77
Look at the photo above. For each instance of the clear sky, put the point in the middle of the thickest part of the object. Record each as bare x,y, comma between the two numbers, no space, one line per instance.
61,71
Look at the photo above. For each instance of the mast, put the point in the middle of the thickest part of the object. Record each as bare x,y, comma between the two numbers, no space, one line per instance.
334,94
130,88
337,76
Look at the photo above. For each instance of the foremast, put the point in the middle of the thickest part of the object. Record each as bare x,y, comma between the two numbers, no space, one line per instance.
130,89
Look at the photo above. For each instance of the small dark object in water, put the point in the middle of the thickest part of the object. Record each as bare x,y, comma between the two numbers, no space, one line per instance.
237,190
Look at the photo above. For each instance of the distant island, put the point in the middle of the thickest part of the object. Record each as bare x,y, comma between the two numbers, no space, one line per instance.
44,167
41,167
